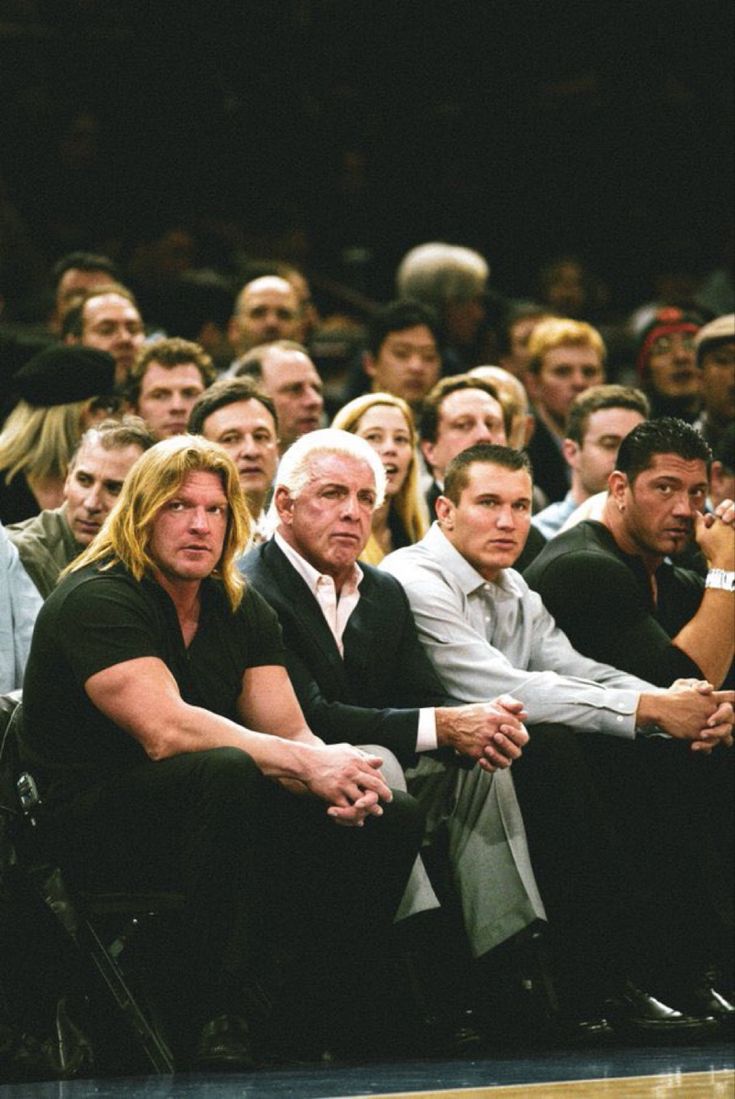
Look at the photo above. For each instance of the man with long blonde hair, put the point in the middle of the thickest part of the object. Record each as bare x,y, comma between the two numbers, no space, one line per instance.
157,706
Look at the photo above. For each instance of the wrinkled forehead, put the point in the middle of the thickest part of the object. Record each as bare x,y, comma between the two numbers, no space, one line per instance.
341,469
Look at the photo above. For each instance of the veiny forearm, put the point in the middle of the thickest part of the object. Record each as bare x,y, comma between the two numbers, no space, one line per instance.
709,637
180,728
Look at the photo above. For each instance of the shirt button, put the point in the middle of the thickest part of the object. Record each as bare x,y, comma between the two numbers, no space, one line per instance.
619,718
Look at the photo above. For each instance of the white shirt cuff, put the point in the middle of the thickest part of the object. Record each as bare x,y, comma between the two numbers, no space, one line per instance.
426,734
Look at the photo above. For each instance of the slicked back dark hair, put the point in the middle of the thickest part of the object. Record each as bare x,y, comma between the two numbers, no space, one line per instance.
396,316
458,470
666,435
222,393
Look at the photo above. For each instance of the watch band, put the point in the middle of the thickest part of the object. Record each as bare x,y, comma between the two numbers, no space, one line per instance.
722,579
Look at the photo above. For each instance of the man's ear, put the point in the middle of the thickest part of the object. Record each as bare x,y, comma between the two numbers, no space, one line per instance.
570,450
283,501
617,483
444,509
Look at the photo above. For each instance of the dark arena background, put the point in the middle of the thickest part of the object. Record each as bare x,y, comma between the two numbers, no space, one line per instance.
335,135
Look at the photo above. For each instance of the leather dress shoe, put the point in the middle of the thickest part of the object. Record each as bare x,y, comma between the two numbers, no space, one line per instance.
224,1043
705,999
635,1013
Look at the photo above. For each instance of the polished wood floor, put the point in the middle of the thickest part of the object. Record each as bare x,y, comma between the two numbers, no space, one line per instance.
696,1072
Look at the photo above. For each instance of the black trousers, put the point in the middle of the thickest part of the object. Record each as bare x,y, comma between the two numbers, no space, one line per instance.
251,859
629,842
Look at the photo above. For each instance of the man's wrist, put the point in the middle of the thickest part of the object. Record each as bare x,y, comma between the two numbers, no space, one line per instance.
720,579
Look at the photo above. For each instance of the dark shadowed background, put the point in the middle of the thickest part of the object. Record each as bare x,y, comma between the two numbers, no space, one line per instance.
338,133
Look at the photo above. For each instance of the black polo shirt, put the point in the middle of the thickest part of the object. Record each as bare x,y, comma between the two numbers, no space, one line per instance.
95,619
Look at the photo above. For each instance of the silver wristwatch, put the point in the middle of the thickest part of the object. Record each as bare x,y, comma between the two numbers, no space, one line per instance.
722,579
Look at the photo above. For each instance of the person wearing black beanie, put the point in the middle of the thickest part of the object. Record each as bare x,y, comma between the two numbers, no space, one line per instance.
60,391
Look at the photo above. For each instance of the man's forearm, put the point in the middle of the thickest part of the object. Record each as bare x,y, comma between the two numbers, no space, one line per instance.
709,637
193,729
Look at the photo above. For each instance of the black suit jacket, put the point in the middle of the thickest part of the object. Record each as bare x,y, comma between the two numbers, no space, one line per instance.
373,694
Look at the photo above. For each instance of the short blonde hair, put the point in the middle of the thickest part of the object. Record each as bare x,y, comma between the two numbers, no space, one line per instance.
154,479
562,332
409,503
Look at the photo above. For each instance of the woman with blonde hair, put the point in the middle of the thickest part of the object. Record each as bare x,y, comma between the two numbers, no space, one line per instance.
386,422
62,391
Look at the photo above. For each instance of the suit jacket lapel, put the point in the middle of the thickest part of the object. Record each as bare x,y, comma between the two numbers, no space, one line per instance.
304,609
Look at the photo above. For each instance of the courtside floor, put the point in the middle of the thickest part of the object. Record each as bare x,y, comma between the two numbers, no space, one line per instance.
692,1072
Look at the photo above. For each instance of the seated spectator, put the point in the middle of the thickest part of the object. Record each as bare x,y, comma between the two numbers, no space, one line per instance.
402,356
74,275
266,309
386,422
62,391
198,307
722,473
610,585
715,347
165,381
235,414
514,398
458,412
108,319
19,605
452,281
155,609
360,673
285,373
515,333
566,357
667,364
50,541
485,630
309,318
568,288
598,420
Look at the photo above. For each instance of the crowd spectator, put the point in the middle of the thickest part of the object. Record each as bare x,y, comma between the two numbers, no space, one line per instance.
234,413
599,419
62,391
107,319
386,422
50,541
167,377
566,357
286,374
